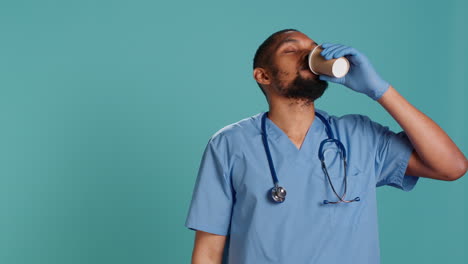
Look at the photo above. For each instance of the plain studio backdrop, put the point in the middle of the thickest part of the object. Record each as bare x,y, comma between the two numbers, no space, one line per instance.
106,108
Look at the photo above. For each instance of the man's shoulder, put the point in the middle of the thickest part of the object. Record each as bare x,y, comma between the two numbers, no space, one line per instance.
251,126
244,127
349,123
345,119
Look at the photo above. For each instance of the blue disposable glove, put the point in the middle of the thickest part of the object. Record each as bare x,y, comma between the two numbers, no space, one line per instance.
361,77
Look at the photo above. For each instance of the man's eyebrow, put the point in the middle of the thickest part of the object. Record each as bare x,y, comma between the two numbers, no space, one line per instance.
289,40
284,41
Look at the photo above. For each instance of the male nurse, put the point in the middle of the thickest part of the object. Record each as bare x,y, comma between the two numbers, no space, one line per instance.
232,210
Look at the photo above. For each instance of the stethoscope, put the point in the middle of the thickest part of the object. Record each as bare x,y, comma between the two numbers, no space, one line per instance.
278,193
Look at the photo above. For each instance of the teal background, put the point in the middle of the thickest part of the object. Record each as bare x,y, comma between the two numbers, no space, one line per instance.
106,108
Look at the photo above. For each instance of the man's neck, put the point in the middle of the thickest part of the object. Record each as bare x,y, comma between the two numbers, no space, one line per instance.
294,117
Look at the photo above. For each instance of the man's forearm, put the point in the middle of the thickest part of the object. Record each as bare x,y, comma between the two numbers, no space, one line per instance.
433,145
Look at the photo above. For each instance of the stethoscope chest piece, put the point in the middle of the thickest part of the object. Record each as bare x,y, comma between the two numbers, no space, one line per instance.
278,194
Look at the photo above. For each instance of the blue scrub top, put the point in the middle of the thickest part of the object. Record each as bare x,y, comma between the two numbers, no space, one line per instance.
232,191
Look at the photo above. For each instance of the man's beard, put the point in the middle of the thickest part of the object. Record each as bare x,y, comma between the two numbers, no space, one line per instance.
307,89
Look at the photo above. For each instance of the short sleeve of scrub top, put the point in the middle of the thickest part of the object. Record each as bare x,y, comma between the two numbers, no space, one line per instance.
212,198
392,155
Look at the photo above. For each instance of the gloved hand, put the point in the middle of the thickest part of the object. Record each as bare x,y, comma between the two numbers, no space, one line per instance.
361,77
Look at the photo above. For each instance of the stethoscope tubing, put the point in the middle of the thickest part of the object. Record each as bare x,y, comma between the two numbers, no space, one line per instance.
279,193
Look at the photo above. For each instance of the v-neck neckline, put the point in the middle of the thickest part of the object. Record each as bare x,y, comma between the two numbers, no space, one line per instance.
277,133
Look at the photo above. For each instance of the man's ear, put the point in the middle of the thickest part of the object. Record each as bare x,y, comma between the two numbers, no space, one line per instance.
261,76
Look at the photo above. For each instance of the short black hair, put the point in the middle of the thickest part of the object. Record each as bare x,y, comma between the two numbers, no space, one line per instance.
262,58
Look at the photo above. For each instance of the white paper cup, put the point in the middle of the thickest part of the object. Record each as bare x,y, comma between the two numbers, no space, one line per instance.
334,67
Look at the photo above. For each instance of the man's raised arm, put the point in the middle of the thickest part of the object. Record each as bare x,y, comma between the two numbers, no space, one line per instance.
436,155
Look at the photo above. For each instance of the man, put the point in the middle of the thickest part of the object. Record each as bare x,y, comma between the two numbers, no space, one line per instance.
232,197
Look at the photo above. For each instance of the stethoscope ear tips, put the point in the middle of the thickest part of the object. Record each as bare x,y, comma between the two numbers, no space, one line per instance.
325,201
357,199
